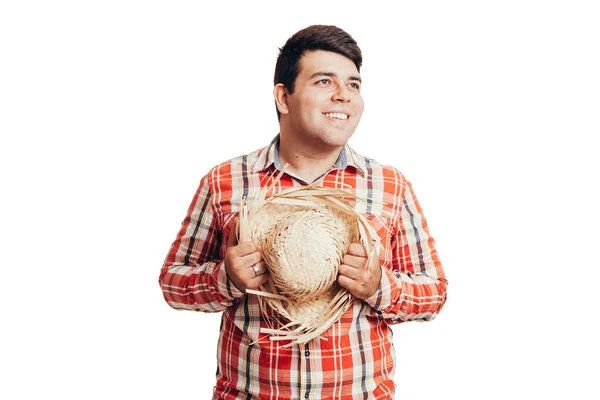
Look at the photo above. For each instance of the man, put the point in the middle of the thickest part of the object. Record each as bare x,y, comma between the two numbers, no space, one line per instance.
319,105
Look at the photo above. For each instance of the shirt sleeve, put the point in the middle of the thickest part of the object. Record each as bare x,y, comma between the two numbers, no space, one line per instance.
192,277
414,287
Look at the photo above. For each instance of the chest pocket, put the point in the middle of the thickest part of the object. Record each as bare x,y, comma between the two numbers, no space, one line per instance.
385,231
229,224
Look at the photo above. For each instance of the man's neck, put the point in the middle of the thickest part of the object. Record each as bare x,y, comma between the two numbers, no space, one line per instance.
305,161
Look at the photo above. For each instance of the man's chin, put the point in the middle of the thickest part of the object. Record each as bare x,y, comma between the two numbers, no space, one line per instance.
335,139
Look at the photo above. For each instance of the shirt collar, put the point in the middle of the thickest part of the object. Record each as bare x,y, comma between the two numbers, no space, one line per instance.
270,156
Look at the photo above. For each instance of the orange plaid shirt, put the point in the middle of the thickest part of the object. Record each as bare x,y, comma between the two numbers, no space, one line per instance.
356,361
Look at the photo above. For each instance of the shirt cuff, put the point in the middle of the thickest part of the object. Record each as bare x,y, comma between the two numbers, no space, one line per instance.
389,288
225,287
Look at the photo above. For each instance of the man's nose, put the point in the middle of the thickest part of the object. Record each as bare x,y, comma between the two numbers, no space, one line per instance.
341,94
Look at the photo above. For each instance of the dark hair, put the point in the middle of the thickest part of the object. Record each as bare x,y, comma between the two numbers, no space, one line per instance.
315,37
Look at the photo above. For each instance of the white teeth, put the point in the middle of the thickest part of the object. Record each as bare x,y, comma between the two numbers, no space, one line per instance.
337,115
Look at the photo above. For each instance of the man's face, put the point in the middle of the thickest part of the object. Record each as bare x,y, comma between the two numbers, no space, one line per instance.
326,105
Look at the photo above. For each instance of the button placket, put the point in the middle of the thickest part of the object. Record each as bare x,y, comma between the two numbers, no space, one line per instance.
307,363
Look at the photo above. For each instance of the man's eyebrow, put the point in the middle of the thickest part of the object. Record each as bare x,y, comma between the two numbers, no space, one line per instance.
333,75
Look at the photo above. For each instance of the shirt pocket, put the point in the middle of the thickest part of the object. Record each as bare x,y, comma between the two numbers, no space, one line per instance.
229,228
383,226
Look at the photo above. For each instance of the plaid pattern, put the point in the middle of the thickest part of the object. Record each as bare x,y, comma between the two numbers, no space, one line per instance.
355,358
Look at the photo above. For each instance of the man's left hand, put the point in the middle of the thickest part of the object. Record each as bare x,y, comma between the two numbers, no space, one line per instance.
355,276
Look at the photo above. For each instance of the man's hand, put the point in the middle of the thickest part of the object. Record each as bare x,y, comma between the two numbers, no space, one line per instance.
244,265
355,276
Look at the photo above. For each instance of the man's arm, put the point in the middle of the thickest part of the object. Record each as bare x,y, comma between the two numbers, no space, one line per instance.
192,276
415,286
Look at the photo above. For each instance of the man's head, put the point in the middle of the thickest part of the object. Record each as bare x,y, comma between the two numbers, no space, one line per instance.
315,37
317,87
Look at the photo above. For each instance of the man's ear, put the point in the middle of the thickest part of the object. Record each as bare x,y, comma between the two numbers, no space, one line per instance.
281,97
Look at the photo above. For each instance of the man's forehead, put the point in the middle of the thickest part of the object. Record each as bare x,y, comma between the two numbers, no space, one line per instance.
327,63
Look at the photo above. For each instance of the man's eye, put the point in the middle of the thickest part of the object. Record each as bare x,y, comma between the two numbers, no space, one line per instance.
323,81
355,86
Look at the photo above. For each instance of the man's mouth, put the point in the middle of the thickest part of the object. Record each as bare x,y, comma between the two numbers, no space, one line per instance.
336,115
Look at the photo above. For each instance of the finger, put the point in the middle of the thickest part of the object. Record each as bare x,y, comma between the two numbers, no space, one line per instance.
262,279
349,271
248,260
358,288
354,261
257,282
347,283
356,249
244,248
258,269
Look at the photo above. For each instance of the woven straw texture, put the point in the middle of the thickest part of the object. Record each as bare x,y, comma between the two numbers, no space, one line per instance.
303,234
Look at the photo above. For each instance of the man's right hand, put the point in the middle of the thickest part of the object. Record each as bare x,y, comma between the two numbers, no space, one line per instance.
244,265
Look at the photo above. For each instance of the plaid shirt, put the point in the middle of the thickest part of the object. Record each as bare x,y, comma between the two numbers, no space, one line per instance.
357,359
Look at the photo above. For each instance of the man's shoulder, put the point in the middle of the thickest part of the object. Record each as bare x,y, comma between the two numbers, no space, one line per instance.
374,168
243,164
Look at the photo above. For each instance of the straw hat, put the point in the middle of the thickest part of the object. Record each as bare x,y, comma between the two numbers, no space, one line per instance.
303,234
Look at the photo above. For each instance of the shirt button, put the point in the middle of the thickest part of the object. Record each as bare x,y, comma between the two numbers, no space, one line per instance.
306,395
307,353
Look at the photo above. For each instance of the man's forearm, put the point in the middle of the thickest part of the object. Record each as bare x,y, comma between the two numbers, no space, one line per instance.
405,297
203,287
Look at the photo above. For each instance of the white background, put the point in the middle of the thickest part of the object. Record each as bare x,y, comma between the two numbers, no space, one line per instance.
111,112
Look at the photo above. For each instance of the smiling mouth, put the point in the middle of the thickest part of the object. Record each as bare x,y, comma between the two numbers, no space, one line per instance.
340,116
